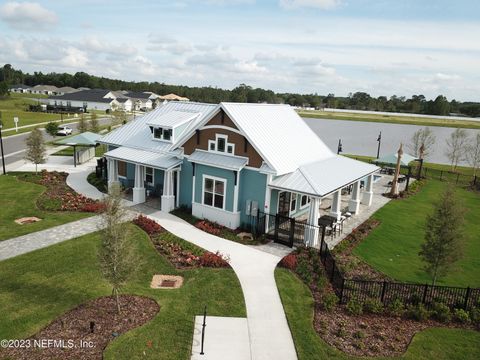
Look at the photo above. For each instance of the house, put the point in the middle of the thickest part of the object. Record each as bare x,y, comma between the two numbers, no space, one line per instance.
44,89
141,99
96,99
20,88
225,160
65,90
172,97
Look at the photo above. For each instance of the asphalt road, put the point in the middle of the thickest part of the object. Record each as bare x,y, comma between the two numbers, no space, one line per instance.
14,146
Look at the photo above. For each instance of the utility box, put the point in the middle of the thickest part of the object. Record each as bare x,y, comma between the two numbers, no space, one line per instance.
254,209
248,207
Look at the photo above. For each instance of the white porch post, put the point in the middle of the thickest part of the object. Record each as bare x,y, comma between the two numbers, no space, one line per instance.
368,193
354,203
139,187
266,207
177,200
168,199
235,191
336,210
112,167
311,233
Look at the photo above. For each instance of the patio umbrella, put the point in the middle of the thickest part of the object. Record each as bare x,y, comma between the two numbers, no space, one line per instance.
392,159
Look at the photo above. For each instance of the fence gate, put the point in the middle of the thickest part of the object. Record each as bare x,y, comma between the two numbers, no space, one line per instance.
284,230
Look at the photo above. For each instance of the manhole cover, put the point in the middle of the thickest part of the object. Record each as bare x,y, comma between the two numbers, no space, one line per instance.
166,282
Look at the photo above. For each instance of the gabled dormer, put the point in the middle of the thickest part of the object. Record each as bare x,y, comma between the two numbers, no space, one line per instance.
169,127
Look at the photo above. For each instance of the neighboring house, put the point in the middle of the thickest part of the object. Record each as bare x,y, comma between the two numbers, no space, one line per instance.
221,159
141,99
65,90
44,89
172,97
20,88
96,99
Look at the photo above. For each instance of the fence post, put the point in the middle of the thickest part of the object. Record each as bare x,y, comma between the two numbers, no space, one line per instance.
292,231
203,328
441,175
458,175
382,297
322,243
475,180
467,295
341,291
425,294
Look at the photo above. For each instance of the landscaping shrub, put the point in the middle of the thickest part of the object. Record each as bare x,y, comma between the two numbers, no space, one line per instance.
354,307
96,207
461,316
396,308
329,301
417,312
289,261
215,260
441,312
209,227
147,225
475,316
303,270
372,306
322,282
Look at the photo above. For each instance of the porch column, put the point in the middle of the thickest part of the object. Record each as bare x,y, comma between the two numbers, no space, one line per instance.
354,203
311,232
368,193
336,210
177,200
168,200
139,187
112,168
266,207
236,174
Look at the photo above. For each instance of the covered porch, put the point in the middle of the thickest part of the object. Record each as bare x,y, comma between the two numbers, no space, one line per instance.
153,178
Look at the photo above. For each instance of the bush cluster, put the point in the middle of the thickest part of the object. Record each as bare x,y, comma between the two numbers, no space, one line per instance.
214,260
289,261
148,225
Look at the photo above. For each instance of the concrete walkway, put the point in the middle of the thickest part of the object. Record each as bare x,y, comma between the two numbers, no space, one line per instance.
270,336
78,182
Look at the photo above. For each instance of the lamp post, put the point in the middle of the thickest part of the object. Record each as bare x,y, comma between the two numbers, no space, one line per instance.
339,148
379,140
1,147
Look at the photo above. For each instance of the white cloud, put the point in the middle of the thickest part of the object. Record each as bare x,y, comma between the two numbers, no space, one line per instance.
27,15
320,4
95,44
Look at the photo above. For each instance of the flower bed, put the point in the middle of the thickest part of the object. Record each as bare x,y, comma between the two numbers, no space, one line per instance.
180,253
58,196
368,329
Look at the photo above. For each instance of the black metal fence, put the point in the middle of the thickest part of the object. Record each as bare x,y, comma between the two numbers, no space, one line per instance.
386,291
450,176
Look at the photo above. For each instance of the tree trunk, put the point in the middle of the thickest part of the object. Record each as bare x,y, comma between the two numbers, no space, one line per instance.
117,299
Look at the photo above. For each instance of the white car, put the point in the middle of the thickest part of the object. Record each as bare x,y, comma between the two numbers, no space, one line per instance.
64,131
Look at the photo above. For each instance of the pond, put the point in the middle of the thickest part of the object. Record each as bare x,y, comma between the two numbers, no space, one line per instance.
360,138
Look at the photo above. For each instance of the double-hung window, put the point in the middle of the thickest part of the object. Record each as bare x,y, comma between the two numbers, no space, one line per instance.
149,175
221,144
304,201
214,192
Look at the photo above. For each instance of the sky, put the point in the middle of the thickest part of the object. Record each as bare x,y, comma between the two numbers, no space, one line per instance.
383,47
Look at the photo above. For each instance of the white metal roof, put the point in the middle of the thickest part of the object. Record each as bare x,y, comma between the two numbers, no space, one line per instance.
218,160
323,177
279,134
137,133
173,118
143,157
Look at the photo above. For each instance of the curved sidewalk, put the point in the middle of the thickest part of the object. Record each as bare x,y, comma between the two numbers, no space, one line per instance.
270,336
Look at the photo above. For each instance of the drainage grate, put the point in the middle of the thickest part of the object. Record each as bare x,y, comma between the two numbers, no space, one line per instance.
168,283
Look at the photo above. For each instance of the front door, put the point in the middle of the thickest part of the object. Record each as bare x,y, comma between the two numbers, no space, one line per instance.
284,203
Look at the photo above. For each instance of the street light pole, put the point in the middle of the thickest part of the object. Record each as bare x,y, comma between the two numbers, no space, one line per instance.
1,147
379,140
339,148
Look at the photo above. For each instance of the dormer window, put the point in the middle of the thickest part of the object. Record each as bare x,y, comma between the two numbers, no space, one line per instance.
221,144
162,134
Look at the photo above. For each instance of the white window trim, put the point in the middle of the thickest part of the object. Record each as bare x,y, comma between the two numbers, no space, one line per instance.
293,195
306,204
227,144
171,141
153,176
204,177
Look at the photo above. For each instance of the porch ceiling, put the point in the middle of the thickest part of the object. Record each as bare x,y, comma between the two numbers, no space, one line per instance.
142,157
323,177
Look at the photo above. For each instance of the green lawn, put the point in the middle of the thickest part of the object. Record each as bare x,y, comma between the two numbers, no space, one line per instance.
435,343
18,199
393,246
15,105
38,287
393,119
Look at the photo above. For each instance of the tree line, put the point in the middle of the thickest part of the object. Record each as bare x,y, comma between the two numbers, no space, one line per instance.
243,93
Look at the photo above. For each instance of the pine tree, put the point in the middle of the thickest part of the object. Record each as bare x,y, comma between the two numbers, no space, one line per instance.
35,148
444,238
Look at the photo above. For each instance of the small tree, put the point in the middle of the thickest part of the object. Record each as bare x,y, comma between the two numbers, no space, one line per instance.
456,147
443,244
35,148
82,124
421,137
94,126
51,128
116,256
473,154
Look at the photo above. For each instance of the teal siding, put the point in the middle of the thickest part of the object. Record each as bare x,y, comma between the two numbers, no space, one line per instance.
252,187
273,202
186,177
201,170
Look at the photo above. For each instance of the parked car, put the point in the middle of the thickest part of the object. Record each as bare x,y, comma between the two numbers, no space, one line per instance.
64,130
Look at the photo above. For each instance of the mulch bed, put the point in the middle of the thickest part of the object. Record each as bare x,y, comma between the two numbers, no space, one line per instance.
74,327
369,334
